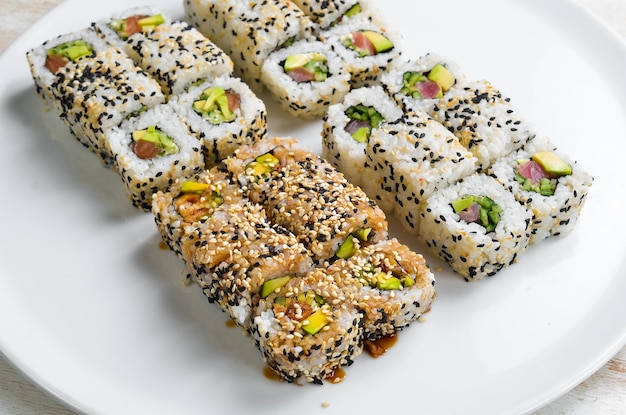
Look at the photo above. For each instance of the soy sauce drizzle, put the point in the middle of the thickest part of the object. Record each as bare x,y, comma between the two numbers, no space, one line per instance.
270,374
336,376
379,347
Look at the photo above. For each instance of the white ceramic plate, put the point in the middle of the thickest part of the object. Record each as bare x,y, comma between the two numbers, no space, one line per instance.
94,311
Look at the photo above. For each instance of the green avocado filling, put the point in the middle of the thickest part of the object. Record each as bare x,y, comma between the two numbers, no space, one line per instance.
488,211
386,281
379,43
551,166
305,307
353,11
313,63
72,50
273,285
412,82
262,166
124,27
193,187
213,106
352,242
195,203
545,187
161,142
367,118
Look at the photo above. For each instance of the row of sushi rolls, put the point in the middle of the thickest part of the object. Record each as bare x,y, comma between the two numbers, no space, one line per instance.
295,246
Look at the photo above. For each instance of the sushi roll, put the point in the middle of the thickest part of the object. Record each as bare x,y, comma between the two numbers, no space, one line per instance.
92,85
410,159
57,58
346,129
417,82
249,31
391,285
180,210
476,226
306,328
177,55
224,114
152,151
237,251
484,120
102,93
549,183
366,48
305,194
133,22
325,14
305,78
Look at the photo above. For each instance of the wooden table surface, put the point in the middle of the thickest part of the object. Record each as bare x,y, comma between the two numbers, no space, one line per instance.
604,393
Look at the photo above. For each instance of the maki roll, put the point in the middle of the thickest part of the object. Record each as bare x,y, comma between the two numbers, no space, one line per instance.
549,183
249,31
346,129
410,159
237,253
305,194
133,22
325,14
416,83
92,85
306,328
180,210
305,78
152,151
177,55
391,285
476,226
57,58
224,114
102,93
367,50
483,119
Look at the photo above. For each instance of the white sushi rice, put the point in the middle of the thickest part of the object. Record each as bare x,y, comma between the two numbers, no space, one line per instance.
36,58
368,70
393,79
347,154
484,120
468,248
177,55
411,159
311,99
248,31
103,26
221,140
143,178
552,215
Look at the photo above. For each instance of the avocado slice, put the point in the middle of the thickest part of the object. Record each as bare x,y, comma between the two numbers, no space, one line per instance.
346,249
193,187
361,135
295,61
353,11
442,76
72,50
315,322
461,204
362,234
552,164
157,137
272,285
385,282
151,21
380,42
